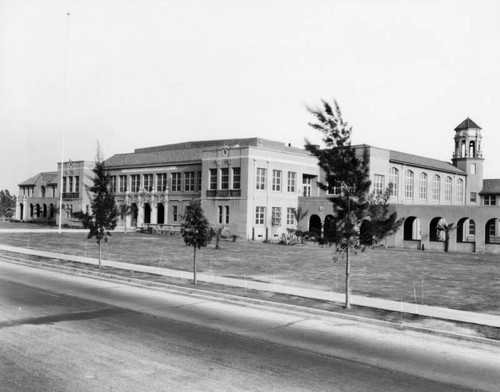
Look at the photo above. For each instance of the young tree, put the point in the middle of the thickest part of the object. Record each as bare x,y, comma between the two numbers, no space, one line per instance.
447,228
103,215
196,230
347,178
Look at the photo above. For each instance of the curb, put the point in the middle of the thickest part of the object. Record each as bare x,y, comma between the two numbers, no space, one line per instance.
246,301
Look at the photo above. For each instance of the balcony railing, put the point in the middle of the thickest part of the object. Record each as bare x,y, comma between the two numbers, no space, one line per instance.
224,193
70,195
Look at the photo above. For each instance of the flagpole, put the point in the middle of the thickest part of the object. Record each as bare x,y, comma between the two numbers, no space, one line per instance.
64,122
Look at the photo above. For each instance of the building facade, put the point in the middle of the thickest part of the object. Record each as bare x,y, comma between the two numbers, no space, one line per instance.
257,189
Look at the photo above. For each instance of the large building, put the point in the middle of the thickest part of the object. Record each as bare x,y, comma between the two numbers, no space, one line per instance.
254,187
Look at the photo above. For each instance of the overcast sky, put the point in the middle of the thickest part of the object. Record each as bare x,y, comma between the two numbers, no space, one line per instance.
133,73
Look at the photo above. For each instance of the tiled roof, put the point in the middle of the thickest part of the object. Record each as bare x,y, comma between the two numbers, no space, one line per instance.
491,186
44,178
467,124
424,162
155,158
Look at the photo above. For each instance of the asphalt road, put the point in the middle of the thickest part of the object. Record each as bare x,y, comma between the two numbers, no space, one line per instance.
66,333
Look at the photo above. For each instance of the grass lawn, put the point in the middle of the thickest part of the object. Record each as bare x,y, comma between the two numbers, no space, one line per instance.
454,280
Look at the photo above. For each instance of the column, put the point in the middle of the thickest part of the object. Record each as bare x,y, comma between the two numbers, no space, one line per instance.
154,213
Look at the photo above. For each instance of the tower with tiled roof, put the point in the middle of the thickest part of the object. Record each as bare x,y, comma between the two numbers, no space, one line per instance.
468,157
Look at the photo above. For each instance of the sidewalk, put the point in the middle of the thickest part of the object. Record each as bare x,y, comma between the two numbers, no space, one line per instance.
422,310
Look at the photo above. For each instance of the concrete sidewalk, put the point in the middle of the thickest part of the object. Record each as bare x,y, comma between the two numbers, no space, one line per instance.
422,310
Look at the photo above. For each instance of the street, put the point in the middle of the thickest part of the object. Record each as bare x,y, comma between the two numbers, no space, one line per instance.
68,333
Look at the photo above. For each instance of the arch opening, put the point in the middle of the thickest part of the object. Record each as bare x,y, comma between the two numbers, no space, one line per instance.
315,225
436,235
492,231
161,213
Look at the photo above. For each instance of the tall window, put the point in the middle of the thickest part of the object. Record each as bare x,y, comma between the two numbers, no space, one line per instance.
422,186
292,179
261,178
224,178
260,213
436,187
175,213
447,189
70,180
148,182
290,216
64,187
394,181
276,216
213,179
161,182
460,191
226,211
378,184
277,180
77,184
189,181
472,228
220,214
176,182
306,183
199,181
123,183
473,197
135,182
236,178
112,184
409,184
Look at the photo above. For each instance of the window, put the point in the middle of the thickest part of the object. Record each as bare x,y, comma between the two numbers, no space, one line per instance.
394,181
306,183
292,178
213,179
199,181
378,184
135,182
436,187
220,214
447,189
176,182
236,178
64,187
473,168
276,216
70,181
277,180
226,210
460,191
260,213
290,216
161,182
473,197
224,178
261,178
409,184
472,228
175,213
123,183
490,200
77,184
189,181
422,186
148,182
112,184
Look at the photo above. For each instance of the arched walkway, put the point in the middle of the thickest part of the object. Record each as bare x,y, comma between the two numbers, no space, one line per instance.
411,229
51,210
147,213
37,210
134,213
434,233
315,225
466,230
45,210
161,213
491,231
329,228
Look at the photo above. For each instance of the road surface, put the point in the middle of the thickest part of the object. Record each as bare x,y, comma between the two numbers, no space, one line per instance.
65,333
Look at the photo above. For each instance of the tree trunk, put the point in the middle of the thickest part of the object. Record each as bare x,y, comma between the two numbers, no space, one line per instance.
194,266
99,245
347,280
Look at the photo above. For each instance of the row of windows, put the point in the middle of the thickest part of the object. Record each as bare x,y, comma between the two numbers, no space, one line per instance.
71,184
423,186
276,220
186,181
221,178
277,181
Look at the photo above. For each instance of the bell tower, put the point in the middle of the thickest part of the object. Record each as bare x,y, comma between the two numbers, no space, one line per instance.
468,157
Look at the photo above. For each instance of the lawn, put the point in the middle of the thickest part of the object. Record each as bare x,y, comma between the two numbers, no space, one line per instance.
459,281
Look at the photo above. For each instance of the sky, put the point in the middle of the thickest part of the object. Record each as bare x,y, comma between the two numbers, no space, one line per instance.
133,73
